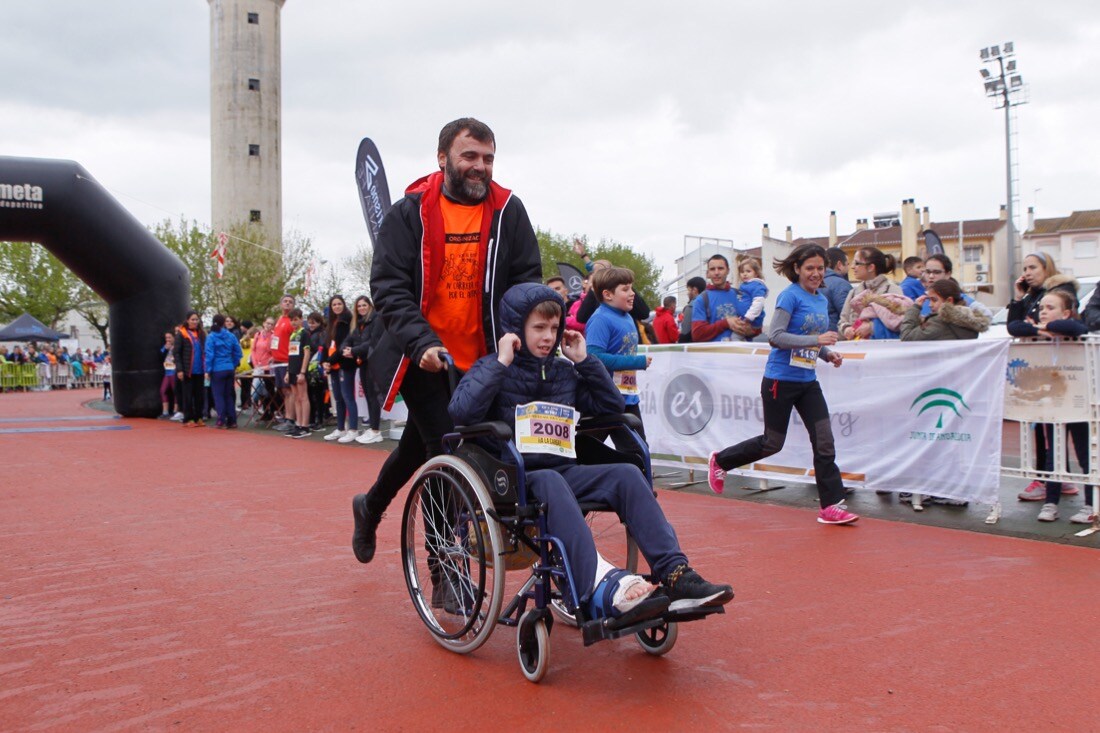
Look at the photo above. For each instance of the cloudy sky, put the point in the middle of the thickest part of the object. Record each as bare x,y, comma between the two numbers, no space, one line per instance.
637,121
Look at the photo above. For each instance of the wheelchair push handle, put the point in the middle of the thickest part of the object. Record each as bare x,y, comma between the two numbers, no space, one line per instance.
452,371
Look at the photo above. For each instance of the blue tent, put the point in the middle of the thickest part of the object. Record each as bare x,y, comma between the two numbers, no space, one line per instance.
28,328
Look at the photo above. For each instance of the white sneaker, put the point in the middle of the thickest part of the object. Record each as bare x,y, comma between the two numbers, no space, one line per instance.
1048,513
349,436
335,435
178,417
1084,515
368,437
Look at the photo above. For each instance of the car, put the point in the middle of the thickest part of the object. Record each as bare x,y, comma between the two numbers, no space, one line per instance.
998,327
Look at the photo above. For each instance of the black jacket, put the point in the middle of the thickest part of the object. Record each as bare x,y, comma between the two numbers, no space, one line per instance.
491,391
358,339
1028,306
406,268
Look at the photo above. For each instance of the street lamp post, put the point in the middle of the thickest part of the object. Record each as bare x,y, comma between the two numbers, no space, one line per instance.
1006,86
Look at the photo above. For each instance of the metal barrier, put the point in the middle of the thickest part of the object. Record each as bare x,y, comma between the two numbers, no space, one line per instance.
42,377
1055,383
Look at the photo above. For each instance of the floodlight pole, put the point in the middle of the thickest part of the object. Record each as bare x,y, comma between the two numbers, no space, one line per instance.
1010,81
1011,230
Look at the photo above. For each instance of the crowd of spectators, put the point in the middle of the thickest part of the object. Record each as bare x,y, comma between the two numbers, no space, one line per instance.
864,303
55,367
290,371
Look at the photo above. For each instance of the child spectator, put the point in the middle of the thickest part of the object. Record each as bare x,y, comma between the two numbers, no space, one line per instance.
168,383
613,337
297,365
912,286
223,353
524,370
316,384
751,294
695,286
1058,319
664,322
951,318
105,375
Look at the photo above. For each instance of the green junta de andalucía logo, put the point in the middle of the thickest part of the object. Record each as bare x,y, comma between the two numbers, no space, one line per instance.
943,398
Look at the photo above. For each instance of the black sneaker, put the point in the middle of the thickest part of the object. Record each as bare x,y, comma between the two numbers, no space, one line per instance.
363,540
687,590
453,591
299,432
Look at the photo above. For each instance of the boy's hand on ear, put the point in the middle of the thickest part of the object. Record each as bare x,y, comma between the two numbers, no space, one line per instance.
507,347
573,346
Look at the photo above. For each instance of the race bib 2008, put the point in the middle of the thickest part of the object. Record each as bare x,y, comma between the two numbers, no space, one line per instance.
546,427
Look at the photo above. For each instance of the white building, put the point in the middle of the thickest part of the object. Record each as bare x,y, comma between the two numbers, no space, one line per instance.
1073,241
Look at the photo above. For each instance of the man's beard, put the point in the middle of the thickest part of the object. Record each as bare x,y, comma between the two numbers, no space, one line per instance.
465,188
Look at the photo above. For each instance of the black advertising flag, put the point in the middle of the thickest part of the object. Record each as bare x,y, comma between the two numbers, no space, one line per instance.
374,193
572,277
932,243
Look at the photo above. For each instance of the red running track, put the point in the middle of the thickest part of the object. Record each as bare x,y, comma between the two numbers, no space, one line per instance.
201,580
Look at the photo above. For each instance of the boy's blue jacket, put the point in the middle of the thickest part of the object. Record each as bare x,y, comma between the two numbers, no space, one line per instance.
223,351
491,391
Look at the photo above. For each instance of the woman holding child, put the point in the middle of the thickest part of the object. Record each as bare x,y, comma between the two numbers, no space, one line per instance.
874,307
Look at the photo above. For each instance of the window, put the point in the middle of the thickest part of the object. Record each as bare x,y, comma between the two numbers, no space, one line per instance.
254,215
972,253
1051,247
253,85
254,150
254,18
1084,248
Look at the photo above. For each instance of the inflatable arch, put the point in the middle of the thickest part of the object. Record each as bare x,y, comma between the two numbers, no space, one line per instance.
58,205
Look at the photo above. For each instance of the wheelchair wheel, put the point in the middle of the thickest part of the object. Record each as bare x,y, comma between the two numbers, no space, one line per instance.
614,542
533,645
450,551
659,639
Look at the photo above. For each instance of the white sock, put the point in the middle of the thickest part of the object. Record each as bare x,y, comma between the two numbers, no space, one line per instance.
603,567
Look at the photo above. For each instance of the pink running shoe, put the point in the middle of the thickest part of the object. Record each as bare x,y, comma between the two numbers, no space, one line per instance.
836,514
1035,491
716,477
1070,490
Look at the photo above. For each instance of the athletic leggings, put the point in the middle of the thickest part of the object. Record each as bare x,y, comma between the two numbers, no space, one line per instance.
779,398
1079,433
168,390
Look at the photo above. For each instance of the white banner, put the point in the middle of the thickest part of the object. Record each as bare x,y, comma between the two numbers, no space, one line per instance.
919,416
1047,382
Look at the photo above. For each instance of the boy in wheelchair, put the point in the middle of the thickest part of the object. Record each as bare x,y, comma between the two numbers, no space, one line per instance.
525,370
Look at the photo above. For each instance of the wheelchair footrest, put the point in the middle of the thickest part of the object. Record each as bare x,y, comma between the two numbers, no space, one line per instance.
602,629
692,614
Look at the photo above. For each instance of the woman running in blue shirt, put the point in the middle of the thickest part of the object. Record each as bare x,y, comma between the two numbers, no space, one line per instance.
799,336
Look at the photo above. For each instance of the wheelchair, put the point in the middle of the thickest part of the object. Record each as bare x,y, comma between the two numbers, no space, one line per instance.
468,520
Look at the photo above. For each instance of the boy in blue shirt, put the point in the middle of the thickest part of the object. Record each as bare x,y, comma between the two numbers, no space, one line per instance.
525,370
613,336
911,286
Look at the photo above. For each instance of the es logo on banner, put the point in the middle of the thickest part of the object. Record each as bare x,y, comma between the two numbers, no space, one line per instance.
688,404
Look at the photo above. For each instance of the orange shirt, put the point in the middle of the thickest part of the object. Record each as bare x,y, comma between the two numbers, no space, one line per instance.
455,311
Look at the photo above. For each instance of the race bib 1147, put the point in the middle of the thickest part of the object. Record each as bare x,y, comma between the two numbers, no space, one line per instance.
546,427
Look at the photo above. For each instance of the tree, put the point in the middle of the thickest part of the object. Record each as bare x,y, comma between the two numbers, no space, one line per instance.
557,248
356,267
193,246
93,309
256,273
34,281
